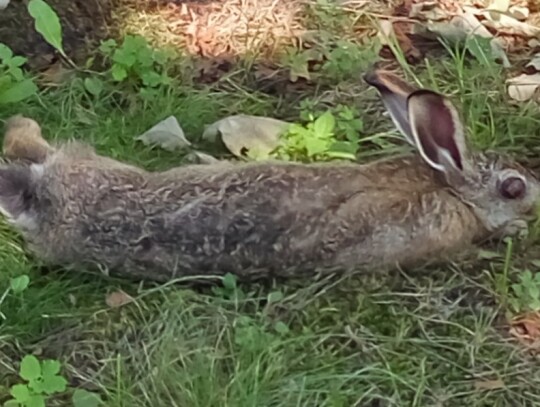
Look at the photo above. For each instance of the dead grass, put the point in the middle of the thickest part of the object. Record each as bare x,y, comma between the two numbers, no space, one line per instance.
231,28
219,28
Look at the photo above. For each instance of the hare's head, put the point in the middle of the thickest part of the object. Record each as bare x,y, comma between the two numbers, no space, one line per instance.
503,194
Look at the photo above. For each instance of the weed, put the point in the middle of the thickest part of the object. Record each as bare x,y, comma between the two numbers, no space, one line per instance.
15,86
333,62
326,135
329,17
526,292
135,63
47,23
42,381
346,59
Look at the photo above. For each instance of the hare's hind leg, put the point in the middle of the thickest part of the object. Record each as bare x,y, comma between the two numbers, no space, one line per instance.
23,141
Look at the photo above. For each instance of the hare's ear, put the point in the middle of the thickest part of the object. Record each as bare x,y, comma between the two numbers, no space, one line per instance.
437,131
394,93
16,191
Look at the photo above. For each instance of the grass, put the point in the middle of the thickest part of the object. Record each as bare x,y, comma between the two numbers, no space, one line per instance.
423,337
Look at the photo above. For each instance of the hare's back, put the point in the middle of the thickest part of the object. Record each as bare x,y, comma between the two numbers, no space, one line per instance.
265,214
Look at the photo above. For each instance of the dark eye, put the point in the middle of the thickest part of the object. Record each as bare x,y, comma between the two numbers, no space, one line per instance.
512,188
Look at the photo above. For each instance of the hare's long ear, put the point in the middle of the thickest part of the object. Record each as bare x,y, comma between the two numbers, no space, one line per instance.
16,191
394,93
437,131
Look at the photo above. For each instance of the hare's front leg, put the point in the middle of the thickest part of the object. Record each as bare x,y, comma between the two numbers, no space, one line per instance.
23,141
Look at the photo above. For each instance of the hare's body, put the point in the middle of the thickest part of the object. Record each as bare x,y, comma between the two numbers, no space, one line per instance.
269,218
78,208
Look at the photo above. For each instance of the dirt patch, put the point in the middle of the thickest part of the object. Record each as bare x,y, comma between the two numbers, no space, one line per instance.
84,23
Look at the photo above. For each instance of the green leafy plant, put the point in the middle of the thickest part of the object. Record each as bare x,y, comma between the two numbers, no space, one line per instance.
16,285
84,398
42,381
330,60
326,135
15,86
19,284
47,23
329,16
345,59
230,289
526,292
135,62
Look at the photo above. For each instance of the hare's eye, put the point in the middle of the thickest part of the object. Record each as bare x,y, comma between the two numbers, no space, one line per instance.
512,188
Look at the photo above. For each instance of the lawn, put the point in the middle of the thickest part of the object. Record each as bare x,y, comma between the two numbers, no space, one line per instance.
434,336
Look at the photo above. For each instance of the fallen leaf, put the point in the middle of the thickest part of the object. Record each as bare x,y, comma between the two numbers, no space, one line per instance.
55,75
510,25
245,135
523,87
428,11
463,26
535,62
497,7
118,298
526,329
533,43
519,13
386,31
167,134
201,158
488,384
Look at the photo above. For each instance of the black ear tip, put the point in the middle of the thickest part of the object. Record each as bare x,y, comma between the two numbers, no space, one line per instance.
376,78
369,76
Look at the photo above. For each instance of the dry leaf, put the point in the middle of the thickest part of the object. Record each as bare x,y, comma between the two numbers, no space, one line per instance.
473,10
535,62
201,158
118,298
523,87
497,7
526,329
167,134
55,75
459,27
428,11
511,25
519,13
488,384
247,135
533,43
464,25
386,31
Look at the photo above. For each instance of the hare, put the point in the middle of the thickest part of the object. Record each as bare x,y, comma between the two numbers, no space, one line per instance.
77,208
